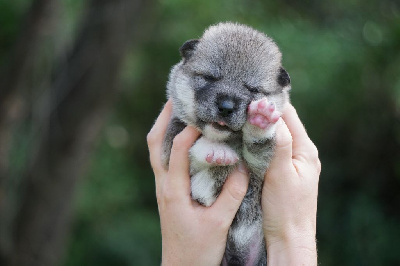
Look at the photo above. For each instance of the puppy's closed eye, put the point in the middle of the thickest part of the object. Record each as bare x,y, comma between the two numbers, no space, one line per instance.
207,77
210,78
252,89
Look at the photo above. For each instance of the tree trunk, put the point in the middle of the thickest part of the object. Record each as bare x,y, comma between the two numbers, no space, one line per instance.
13,81
82,92
13,78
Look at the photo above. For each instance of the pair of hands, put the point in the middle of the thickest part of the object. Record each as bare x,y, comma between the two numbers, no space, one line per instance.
196,235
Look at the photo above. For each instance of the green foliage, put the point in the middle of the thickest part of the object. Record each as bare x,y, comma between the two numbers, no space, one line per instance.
344,61
11,13
114,223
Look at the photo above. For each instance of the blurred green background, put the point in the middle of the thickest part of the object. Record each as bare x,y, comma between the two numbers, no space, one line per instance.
344,61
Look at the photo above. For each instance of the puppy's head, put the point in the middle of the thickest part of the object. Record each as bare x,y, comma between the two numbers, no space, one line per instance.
221,73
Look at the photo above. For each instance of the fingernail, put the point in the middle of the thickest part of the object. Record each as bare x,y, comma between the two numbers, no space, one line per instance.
242,168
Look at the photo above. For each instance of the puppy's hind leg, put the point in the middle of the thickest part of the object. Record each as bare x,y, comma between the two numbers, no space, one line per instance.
203,188
207,184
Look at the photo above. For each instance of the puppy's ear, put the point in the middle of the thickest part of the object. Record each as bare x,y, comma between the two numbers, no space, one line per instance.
187,48
283,77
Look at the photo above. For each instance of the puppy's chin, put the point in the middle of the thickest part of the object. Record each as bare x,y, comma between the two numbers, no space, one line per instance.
221,126
216,132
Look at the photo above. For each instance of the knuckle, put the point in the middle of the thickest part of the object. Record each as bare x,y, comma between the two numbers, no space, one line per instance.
221,222
166,195
151,138
315,158
311,154
180,139
176,142
304,157
313,150
181,142
284,141
318,165
315,153
159,199
237,191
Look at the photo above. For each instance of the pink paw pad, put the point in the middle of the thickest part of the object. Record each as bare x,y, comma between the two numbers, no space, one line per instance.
222,157
262,113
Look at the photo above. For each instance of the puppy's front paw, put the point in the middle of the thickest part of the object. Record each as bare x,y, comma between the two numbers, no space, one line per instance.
263,113
205,153
221,155
261,121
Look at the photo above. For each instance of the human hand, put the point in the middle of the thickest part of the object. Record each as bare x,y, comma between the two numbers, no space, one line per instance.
289,197
191,234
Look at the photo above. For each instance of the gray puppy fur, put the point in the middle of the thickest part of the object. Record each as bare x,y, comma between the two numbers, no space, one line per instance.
231,86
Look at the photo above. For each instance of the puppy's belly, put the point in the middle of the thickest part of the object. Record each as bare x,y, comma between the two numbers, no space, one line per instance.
245,245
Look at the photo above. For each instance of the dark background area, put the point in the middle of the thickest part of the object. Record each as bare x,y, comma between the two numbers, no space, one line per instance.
81,83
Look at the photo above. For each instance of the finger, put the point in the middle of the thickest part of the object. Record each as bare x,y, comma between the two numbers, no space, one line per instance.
231,196
294,124
301,142
156,136
284,142
179,179
282,161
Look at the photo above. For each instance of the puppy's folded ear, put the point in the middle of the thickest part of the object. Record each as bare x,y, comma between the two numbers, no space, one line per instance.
187,48
283,77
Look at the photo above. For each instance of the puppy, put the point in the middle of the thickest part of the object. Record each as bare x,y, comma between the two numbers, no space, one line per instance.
231,86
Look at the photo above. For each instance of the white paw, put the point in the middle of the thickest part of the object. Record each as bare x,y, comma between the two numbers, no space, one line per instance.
213,153
222,156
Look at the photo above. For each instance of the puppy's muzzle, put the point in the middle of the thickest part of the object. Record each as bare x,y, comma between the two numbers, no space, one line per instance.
226,106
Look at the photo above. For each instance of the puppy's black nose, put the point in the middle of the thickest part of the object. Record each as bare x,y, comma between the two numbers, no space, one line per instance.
226,107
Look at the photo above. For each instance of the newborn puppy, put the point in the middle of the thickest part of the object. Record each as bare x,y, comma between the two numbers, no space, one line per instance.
231,86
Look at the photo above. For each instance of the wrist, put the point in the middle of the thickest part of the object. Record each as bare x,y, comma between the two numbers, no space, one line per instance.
293,248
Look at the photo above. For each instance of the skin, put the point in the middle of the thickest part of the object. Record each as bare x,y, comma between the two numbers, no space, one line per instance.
196,235
289,197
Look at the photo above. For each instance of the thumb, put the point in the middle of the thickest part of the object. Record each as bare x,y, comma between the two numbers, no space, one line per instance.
284,142
232,194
